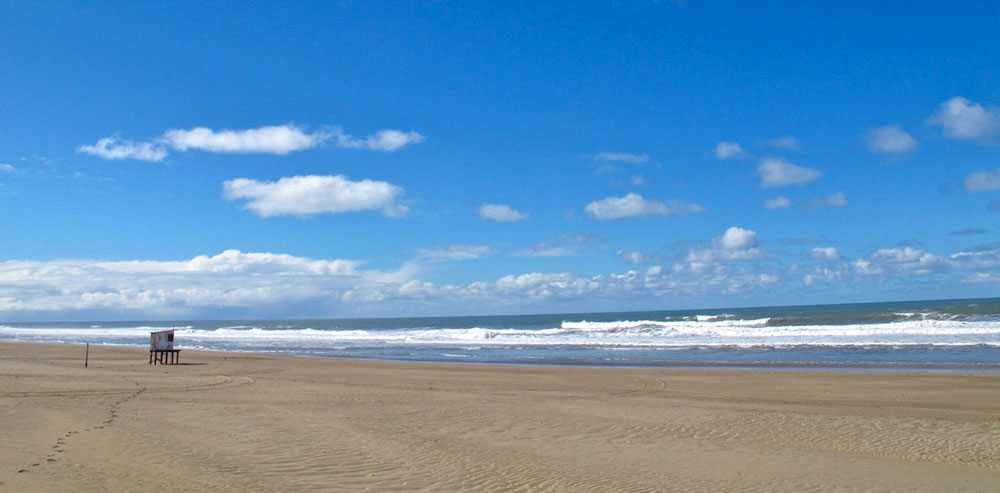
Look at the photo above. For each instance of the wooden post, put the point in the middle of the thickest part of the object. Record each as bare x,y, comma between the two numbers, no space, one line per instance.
86,359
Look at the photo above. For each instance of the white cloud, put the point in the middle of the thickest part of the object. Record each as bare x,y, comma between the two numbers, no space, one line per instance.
307,195
622,157
6,168
500,212
633,205
632,258
901,262
229,279
269,285
825,253
890,140
777,203
280,139
384,140
736,244
728,150
983,181
564,246
112,148
454,252
738,238
276,139
836,200
785,142
776,172
960,118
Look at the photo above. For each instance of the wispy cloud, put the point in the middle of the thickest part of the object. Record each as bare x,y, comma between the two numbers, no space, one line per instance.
308,195
634,205
112,148
6,168
983,181
728,150
454,252
784,142
968,232
890,139
777,203
776,172
276,139
563,246
383,140
500,213
622,157
835,200
960,118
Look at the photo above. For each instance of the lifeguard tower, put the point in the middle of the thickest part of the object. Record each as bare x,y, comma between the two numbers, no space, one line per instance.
161,348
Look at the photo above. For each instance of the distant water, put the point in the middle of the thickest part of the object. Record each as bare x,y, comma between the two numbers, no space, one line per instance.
942,334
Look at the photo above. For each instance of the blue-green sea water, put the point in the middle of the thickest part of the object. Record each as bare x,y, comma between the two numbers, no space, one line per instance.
939,334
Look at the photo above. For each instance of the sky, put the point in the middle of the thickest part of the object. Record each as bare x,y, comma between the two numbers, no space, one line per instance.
373,159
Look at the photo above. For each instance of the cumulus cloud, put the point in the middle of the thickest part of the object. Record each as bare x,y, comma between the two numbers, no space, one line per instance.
270,285
890,140
738,238
825,253
784,142
281,139
275,139
736,244
776,172
112,148
500,212
634,205
383,140
777,203
308,195
960,118
983,181
900,261
728,150
229,279
622,157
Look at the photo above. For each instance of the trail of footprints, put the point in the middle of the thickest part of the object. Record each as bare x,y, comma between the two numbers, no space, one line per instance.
60,445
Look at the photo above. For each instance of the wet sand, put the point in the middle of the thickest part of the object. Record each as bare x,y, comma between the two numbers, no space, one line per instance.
249,422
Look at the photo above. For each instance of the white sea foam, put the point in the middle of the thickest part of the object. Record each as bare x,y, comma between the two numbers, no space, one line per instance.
703,331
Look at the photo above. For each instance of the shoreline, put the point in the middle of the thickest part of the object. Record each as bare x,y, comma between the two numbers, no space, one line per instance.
229,421
821,366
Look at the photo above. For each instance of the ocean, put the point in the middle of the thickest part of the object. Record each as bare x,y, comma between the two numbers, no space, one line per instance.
910,335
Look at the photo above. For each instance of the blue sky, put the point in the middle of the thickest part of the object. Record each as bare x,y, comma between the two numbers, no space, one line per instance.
381,159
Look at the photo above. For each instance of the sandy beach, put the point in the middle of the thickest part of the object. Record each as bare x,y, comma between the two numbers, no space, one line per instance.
248,422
